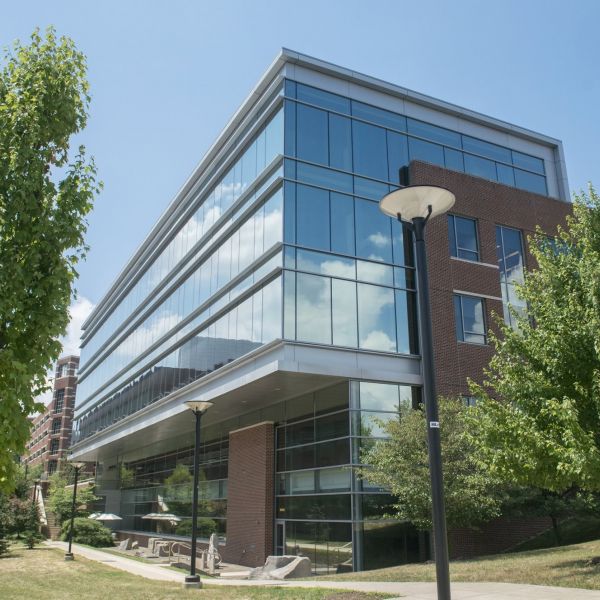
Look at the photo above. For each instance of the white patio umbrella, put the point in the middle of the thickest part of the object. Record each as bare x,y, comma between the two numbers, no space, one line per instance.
162,517
108,517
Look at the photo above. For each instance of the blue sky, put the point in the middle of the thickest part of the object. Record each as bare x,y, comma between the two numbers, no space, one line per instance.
167,75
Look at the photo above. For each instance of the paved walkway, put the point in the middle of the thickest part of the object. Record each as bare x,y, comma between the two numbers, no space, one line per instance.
405,590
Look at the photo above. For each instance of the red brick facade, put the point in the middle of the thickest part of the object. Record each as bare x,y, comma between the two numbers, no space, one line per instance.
495,537
250,495
51,429
490,204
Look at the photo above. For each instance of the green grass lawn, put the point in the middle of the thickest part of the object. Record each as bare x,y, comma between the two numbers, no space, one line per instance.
42,573
565,566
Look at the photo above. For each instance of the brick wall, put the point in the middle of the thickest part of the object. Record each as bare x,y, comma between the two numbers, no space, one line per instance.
250,495
490,204
494,537
42,434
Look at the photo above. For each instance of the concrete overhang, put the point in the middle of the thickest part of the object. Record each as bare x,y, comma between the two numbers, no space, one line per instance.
269,375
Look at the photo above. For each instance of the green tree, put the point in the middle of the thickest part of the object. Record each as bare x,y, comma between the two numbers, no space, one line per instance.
5,523
401,465
126,477
60,498
31,534
537,421
87,531
45,194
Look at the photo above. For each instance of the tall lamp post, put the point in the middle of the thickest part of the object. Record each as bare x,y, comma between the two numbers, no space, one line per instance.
77,466
198,408
415,205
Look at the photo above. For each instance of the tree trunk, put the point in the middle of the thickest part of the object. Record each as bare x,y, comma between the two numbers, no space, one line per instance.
557,537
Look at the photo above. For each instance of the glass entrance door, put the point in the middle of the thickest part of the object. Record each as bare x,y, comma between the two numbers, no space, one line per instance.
279,538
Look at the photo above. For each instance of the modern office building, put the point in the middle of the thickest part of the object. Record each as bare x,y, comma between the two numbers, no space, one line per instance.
274,287
51,430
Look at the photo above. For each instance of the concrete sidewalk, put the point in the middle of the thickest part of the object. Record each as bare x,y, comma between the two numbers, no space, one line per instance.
405,590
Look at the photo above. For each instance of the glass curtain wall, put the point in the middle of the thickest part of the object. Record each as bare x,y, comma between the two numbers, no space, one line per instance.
262,150
225,304
156,492
323,510
343,134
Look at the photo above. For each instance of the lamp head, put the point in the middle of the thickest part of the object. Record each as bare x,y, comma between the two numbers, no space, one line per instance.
77,465
198,406
413,201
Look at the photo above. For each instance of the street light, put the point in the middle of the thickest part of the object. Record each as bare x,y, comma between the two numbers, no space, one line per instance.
77,466
415,205
198,407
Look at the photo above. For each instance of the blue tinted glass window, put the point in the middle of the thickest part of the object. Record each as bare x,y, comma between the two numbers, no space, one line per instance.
340,142
404,278
311,135
321,98
463,237
343,304
406,323
454,159
506,174
373,232
325,177
397,155
289,213
486,149
470,321
378,115
509,247
376,318
374,273
312,220
274,137
425,151
433,133
460,334
530,182
402,244
290,128
531,163
289,169
289,305
325,264
369,148
379,396
313,308
290,88
342,217
370,189
480,167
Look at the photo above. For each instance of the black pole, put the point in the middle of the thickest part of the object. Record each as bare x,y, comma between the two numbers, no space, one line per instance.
192,578
69,554
440,537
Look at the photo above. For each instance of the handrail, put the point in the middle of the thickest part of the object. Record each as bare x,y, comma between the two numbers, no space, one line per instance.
182,544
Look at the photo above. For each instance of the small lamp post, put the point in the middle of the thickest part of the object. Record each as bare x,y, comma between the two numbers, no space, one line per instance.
77,466
415,205
198,407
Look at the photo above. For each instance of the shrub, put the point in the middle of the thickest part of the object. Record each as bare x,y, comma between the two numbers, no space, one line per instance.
204,526
87,531
31,537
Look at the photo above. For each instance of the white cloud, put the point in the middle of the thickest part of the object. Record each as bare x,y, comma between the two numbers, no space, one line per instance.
79,311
